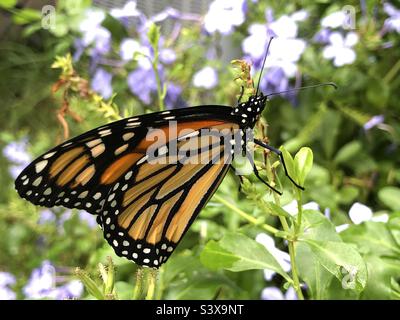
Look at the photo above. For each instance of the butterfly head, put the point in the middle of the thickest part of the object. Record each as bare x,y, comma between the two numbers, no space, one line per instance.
250,110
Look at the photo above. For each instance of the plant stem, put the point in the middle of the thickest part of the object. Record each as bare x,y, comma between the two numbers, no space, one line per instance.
392,72
296,281
160,284
160,91
299,213
151,280
138,285
246,216
286,228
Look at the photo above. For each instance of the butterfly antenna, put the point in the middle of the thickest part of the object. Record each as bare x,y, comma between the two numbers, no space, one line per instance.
302,88
262,68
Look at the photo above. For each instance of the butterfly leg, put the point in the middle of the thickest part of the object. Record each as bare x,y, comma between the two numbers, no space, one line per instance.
240,177
280,155
257,174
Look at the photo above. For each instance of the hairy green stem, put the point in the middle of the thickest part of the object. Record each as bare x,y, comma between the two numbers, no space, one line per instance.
138,285
299,213
151,284
286,228
160,90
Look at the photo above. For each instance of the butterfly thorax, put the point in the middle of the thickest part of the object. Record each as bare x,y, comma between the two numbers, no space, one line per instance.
250,110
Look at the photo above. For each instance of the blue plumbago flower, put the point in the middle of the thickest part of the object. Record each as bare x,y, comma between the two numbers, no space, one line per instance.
65,216
284,52
142,83
79,49
128,48
46,216
127,11
6,280
274,293
393,22
322,36
71,290
167,13
167,56
373,122
101,83
274,80
93,32
224,15
205,78
334,20
173,99
360,213
42,284
16,153
90,219
281,257
340,48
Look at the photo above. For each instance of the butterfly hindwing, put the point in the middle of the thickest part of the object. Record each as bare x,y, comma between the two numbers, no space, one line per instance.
151,207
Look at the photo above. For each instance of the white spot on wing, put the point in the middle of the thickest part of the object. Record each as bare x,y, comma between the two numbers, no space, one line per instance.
83,194
104,133
143,159
128,136
128,175
93,143
37,181
97,196
41,165
133,124
121,149
189,135
49,155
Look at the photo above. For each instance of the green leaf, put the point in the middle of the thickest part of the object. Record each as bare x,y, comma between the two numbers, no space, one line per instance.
116,28
342,261
348,151
26,15
8,4
276,210
372,238
89,284
236,252
154,35
380,273
315,226
312,272
290,165
303,163
390,196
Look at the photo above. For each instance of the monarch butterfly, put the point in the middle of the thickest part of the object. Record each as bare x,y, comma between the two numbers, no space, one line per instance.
145,206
